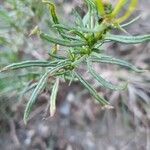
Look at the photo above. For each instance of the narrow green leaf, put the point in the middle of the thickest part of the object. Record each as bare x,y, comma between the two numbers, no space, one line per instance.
69,37
55,19
89,15
53,13
132,6
128,39
100,7
130,22
57,56
90,2
100,99
78,34
32,100
53,97
63,27
102,81
79,29
109,59
38,89
29,63
70,30
20,75
61,41
118,8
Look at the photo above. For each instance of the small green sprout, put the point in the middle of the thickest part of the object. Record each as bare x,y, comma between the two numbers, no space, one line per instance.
82,43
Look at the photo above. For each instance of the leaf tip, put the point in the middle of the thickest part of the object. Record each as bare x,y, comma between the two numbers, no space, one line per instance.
52,112
25,120
34,31
3,69
107,107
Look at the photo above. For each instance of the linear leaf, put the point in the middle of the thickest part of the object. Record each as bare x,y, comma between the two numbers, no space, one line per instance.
100,7
102,81
130,10
70,30
53,97
63,27
20,75
128,39
53,12
55,19
29,63
130,22
38,89
79,29
78,34
118,7
69,36
109,59
32,100
61,41
91,90
88,19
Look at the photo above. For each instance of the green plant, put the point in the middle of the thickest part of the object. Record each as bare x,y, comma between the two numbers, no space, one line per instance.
82,44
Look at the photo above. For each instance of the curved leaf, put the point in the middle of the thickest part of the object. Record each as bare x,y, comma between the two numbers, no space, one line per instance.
118,7
130,22
100,99
38,89
103,82
79,29
109,59
130,10
32,100
128,39
61,41
29,63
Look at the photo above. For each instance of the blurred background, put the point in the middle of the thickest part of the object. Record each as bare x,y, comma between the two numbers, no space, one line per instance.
79,122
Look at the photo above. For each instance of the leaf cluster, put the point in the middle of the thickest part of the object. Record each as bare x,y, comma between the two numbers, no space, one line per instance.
82,44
